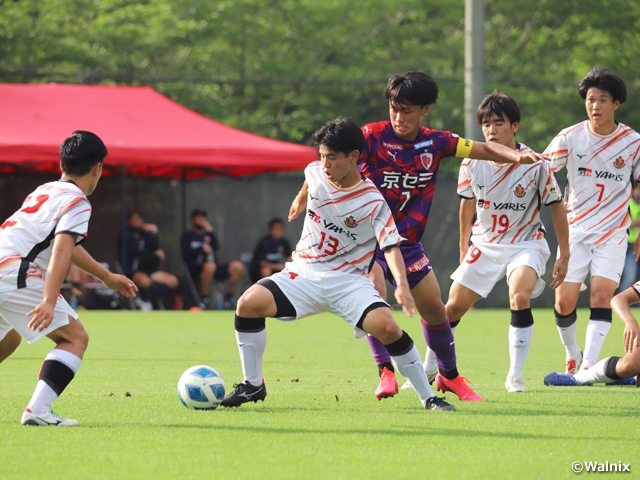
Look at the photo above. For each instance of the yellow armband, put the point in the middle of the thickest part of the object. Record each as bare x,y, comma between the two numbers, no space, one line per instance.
464,148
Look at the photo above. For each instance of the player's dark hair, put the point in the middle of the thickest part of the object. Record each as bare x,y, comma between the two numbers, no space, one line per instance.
198,211
275,221
411,88
499,104
134,211
80,152
342,135
602,79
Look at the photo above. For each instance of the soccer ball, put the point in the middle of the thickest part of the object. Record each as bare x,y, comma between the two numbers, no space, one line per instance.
201,388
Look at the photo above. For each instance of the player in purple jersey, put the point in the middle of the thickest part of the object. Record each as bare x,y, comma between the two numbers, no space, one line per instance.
402,159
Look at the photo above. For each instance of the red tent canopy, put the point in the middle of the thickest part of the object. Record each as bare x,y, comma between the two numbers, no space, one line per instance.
145,132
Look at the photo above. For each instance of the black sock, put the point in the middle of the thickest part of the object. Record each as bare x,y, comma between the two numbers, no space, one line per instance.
449,374
56,374
388,366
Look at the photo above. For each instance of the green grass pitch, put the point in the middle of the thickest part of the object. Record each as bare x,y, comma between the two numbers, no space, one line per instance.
320,418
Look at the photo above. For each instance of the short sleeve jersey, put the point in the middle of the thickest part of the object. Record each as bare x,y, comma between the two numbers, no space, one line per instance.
406,172
508,198
343,226
27,236
599,172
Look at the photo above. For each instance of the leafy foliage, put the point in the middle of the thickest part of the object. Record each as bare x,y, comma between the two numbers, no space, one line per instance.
281,68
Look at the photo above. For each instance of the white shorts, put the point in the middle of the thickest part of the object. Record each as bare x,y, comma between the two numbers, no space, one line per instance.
480,272
344,294
602,260
14,305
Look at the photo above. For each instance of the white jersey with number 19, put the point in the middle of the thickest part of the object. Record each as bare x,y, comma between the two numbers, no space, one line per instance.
599,171
342,226
27,236
508,198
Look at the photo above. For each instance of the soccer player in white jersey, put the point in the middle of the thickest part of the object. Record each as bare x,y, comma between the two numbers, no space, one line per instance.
601,158
508,235
346,217
612,370
37,245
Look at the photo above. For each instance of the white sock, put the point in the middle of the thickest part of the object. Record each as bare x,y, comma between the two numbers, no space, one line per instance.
595,374
430,363
410,366
43,395
251,346
519,343
597,331
570,340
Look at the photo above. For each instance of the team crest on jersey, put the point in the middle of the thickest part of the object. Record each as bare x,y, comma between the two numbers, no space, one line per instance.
519,191
426,159
350,221
618,162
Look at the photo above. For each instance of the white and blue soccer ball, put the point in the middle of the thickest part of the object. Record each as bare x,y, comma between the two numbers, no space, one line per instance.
201,388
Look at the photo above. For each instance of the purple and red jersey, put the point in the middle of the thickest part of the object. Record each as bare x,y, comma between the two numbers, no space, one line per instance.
406,172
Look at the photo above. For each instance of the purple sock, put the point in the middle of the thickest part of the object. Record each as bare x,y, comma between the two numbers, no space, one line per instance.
440,340
380,354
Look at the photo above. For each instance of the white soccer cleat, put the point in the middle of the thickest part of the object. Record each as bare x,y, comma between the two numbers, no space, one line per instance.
407,385
515,384
51,419
573,364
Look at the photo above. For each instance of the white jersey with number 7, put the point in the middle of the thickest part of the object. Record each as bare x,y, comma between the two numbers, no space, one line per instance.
343,226
27,236
599,174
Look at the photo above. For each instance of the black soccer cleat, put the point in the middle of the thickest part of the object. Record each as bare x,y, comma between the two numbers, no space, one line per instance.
243,393
438,404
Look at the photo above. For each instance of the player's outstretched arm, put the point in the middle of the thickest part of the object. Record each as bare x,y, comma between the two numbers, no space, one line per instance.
81,258
398,270
58,267
466,214
299,203
500,153
620,304
561,227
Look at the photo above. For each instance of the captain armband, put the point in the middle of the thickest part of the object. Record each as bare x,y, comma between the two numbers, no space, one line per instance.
464,148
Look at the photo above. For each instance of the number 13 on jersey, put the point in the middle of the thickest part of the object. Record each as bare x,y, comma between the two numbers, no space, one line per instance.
329,242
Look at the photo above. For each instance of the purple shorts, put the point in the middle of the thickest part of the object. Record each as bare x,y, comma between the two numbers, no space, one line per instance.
417,263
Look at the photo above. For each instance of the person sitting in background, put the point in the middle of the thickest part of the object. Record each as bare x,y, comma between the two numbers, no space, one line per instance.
271,253
143,257
630,271
78,280
199,246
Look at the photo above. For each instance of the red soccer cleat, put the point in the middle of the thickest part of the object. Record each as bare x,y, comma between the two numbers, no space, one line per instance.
388,386
459,386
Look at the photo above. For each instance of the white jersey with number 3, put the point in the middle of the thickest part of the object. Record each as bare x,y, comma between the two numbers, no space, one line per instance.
599,172
508,198
343,226
27,236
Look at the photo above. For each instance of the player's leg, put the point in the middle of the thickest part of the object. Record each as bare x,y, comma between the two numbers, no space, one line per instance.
460,301
264,299
9,343
380,324
60,367
601,292
610,370
388,385
439,337
566,299
522,282
606,269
